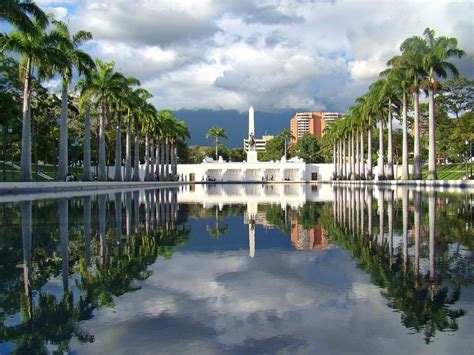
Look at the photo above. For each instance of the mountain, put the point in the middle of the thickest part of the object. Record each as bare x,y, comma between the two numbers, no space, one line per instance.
234,122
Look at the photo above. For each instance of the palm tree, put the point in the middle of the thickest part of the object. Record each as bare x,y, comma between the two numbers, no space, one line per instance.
286,134
413,50
435,64
73,58
216,132
140,106
104,84
132,105
149,117
84,106
181,134
366,112
399,75
37,49
23,14
377,107
121,102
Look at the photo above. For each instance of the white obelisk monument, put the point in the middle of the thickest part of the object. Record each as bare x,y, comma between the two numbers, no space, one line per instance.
251,153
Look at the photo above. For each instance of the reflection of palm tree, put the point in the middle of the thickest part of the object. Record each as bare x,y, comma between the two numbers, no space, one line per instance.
102,223
63,206
118,217
87,229
424,307
417,203
128,215
26,230
432,231
390,225
405,227
217,230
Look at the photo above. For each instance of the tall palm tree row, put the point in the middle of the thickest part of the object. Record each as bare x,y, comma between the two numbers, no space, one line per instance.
45,48
422,63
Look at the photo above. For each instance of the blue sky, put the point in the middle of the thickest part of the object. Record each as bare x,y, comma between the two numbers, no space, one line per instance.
281,56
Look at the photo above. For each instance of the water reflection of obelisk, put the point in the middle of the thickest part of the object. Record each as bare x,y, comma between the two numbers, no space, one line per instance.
251,215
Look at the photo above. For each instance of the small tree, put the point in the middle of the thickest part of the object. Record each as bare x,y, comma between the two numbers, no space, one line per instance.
216,132
307,148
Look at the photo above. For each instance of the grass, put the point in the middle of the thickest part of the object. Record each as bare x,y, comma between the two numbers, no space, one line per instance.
447,172
50,170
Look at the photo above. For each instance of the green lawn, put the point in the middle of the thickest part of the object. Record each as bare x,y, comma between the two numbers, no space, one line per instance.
14,175
447,172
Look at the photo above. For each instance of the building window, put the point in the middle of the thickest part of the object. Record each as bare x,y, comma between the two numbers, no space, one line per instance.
314,176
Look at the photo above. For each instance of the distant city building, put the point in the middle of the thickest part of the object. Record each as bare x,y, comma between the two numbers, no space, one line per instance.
260,144
313,123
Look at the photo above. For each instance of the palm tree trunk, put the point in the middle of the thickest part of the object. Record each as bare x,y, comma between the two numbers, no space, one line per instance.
157,157
339,158
167,159
162,158
102,170
136,158
87,146
353,177
405,138
369,154
173,161
362,161
357,163
152,161
432,138
128,152
147,158
344,168
390,143
216,142
348,158
334,160
381,215
25,171
381,151
63,148
416,149
118,150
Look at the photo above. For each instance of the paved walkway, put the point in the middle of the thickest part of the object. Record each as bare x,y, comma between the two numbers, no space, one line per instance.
58,186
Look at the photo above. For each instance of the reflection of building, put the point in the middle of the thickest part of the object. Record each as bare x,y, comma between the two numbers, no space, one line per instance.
313,123
313,238
260,218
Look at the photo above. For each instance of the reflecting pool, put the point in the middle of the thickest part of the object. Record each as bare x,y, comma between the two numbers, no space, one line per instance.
310,269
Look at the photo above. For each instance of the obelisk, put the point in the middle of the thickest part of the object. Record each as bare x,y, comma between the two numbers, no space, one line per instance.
251,152
251,122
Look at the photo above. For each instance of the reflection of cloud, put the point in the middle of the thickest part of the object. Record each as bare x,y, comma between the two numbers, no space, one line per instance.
227,302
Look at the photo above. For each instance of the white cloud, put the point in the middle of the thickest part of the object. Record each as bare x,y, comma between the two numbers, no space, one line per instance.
277,55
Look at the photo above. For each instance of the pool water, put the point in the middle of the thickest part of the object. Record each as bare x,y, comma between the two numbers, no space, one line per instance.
210,269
